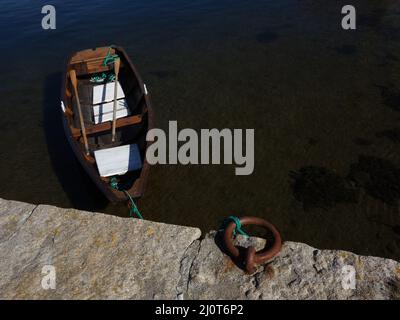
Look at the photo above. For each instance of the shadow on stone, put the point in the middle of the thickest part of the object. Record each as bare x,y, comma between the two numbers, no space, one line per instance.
393,286
218,239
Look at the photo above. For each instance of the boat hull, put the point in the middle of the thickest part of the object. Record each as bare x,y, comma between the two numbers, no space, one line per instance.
138,188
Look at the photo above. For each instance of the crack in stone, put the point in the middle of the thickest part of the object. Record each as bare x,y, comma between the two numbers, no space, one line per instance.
256,281
257,277
297,279
20,227
184,279
318,271
191,265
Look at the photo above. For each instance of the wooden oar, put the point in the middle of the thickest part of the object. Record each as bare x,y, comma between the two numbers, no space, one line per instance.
72,75
116,70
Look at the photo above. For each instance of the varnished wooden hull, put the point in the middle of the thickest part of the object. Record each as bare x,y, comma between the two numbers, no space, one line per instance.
138,187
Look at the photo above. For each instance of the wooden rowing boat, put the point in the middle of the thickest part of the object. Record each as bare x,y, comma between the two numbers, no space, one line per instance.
91,108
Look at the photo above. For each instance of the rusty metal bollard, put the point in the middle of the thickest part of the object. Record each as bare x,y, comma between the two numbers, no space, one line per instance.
252,257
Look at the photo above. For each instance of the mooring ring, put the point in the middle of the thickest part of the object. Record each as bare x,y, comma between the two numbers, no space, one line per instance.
252,257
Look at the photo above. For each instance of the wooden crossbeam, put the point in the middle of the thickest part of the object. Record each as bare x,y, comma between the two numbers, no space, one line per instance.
106,126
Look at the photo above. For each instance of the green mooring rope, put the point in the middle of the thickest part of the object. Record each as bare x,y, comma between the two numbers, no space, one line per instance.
134,209
101,77
114,183
238,228
110,58
108,77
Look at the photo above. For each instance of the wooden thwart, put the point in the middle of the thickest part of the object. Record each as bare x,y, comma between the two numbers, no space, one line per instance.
89,60
106,126
89,54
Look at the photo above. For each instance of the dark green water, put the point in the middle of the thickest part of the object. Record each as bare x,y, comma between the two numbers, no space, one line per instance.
324,103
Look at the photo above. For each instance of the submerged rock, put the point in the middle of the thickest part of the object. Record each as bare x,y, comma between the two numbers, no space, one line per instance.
392,134
318,187
379,177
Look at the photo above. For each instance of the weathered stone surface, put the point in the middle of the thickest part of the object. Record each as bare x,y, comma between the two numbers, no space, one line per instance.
13,214
98,256
298,272
95,255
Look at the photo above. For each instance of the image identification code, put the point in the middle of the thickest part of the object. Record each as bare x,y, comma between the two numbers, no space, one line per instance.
203,310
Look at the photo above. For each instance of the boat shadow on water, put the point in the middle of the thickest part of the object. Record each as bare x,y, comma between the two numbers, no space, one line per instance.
81,191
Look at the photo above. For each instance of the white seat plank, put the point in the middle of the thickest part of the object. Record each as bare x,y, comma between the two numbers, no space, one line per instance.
104,112
118,160
109,107
105,92
109,116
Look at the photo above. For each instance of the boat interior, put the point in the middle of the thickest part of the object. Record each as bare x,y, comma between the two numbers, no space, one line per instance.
126,152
